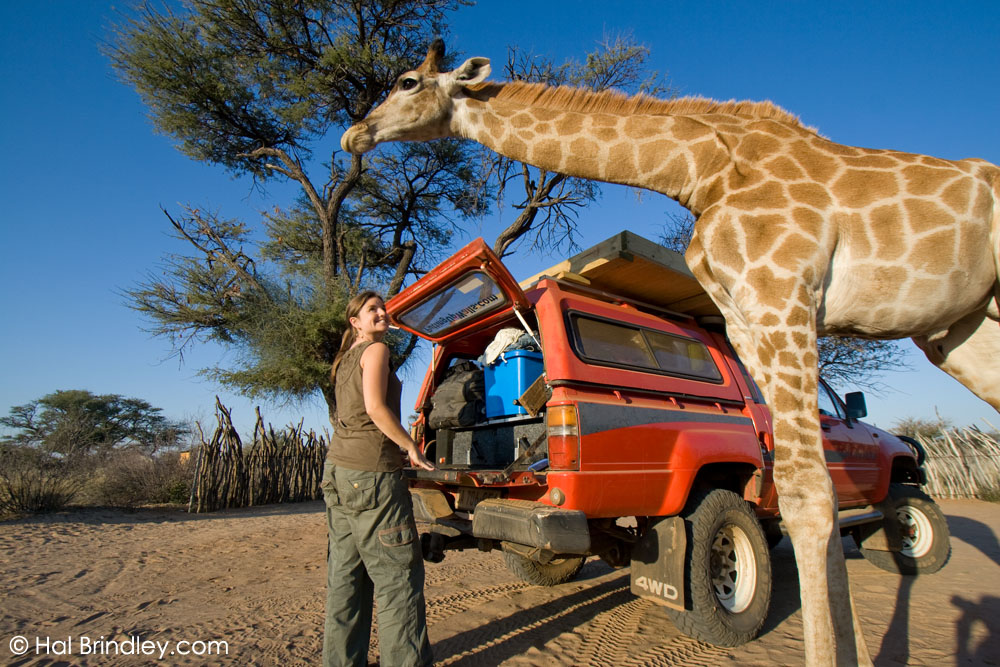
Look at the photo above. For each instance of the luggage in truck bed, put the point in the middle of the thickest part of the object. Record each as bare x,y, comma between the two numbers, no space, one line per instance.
631,266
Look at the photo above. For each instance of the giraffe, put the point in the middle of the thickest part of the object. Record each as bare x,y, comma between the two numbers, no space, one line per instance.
795,236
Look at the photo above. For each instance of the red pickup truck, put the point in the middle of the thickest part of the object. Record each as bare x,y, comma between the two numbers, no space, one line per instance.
599,410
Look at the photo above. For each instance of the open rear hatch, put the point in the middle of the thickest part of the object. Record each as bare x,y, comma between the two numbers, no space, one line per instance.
472,289
468,294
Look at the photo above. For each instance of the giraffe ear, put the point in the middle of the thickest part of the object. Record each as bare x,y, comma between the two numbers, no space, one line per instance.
473,70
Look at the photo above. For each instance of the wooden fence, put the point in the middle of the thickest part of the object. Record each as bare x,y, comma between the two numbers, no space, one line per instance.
962,463
277,467
287,466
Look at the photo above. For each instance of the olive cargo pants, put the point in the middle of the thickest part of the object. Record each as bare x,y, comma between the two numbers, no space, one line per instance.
374,551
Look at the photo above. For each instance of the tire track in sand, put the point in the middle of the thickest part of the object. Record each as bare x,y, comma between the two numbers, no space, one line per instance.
503,638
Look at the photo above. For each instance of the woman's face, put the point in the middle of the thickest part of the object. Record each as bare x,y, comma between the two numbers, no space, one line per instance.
371,321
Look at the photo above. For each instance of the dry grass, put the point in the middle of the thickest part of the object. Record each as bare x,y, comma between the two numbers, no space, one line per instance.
962,463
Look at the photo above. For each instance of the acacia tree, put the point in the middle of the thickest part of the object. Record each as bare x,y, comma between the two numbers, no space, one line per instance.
255,87
75,423
843,361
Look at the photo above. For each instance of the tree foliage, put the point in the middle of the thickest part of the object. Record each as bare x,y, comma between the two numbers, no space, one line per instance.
77,423
843,361
923,428
257,87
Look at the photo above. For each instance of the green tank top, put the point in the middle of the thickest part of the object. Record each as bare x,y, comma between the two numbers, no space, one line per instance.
357,443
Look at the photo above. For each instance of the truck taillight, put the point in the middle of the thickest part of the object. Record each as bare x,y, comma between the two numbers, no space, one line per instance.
564,437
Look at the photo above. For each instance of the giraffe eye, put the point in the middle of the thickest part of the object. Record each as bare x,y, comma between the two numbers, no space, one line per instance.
408,84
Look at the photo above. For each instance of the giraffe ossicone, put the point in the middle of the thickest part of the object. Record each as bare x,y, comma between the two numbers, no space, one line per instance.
795,235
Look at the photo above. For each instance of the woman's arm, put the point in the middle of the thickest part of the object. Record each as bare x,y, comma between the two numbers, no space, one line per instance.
375,382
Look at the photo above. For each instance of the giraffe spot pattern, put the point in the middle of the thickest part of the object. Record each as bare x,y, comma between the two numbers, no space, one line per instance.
934,253
605,133
768,195
584,147
810,194
569,124
621,163
924,215
545,114
858,188
871,162
513,146
643,127
523,120
705,153
687,129
544,149
756,147
923,181
820,167
784,168
651,153
958,195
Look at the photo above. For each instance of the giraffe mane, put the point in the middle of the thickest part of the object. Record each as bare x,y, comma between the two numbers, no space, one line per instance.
566,98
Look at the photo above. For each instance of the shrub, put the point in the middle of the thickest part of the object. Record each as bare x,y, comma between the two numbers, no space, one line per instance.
129,478
34,481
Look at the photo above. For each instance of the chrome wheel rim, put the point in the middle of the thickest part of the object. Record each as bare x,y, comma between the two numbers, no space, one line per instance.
918,535
733,569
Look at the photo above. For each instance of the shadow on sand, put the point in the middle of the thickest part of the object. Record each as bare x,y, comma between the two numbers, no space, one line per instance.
986,612
507,637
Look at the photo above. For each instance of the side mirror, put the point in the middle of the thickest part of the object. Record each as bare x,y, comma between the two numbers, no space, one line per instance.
856,407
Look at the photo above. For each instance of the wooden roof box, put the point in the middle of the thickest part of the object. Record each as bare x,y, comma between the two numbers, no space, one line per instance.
634,267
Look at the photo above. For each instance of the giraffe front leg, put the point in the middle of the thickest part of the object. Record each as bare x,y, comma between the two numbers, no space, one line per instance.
806,496
808,505
771,318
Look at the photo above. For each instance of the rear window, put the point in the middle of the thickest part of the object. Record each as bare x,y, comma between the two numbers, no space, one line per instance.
472,295
615,344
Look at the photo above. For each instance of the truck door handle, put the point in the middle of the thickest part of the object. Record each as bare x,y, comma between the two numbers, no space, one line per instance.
824,426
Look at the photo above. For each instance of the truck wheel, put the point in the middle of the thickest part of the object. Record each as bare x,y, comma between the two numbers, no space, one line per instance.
926,545
728,571
556,571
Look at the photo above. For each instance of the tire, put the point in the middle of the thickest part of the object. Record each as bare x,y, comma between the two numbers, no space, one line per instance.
556,571
727,571
926,544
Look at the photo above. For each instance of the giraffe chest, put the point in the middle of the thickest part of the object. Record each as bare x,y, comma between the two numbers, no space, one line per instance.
875,296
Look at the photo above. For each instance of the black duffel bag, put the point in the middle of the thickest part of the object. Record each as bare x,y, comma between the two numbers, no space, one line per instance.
460,399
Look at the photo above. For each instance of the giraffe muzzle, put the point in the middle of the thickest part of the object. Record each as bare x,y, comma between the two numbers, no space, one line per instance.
358,139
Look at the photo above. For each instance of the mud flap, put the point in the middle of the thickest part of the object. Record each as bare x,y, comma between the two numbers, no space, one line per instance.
658,560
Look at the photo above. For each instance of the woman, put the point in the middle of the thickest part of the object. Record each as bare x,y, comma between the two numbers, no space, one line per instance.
374,547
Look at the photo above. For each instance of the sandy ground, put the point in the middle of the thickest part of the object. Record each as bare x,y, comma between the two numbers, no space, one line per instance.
72,584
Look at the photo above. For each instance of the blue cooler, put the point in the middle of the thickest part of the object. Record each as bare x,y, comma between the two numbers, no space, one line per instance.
507,378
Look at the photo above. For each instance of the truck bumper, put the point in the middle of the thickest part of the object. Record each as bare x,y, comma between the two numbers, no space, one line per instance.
532,524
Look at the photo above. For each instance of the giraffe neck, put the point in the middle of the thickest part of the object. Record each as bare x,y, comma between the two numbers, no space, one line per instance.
672,154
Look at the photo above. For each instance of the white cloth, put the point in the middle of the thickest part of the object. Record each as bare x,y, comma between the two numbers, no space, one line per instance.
501,342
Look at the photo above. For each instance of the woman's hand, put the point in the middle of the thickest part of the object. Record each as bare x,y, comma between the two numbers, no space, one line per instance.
418,459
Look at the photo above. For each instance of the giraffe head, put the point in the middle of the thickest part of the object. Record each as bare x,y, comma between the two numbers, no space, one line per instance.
419,107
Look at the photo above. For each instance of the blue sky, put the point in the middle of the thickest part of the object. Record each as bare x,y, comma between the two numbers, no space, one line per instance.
84,174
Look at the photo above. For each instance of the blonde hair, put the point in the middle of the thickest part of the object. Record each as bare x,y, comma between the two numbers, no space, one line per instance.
350,334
